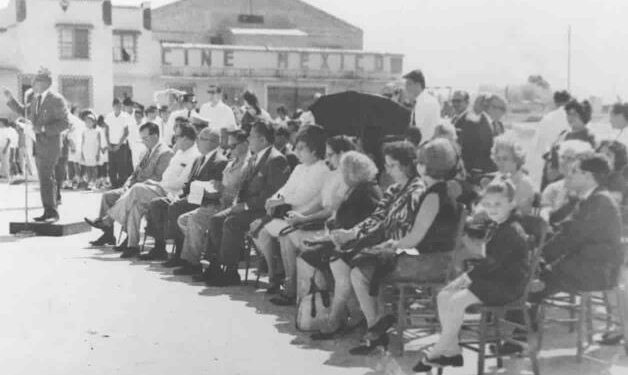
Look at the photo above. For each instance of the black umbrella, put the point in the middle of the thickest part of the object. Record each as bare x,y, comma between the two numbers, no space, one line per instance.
369,117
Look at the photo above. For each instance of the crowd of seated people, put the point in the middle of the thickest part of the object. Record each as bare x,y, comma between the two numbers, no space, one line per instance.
326,210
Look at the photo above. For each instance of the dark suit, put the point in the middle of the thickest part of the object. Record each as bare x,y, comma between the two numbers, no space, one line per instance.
476,142
48,123
151,167
586,253
262,180
163,213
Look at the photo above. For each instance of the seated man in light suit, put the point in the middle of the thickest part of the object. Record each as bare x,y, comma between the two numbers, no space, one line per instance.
164,212
151,167
266,171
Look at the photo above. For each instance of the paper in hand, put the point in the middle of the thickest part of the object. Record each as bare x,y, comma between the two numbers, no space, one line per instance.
198,189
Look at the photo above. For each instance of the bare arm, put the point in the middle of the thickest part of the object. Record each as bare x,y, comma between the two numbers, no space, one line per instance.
424,219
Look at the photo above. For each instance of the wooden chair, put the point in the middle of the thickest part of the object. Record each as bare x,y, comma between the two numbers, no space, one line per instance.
493,327
586,311
423,295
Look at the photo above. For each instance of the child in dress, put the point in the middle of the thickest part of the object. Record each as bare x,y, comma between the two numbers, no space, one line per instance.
91,150
103,164
497,279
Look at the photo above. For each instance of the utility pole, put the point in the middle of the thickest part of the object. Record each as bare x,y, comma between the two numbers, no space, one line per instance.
569,58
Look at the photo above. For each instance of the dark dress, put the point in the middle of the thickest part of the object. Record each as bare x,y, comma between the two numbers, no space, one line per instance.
441,236
476,142
358,204
501,277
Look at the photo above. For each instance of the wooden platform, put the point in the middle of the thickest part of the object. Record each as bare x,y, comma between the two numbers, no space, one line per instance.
57,229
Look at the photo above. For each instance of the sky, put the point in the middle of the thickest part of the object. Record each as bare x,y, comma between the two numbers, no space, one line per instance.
467,43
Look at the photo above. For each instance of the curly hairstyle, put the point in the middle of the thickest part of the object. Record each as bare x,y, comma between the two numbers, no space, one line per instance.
405,153
357,167
583,109
510,144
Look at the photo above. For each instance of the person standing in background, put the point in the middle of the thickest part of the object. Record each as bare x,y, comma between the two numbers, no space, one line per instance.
219,115
103,163
552,124
5,149
118,122
426,112
49,115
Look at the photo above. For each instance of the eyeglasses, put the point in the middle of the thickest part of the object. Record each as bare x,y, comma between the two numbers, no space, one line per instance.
232,146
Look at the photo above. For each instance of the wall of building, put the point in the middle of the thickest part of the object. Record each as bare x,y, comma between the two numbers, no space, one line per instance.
36,41
196,21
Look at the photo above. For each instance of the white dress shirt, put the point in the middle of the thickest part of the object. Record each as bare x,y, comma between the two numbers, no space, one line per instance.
220,116
303,189
179,169
426,115
117,124
548,130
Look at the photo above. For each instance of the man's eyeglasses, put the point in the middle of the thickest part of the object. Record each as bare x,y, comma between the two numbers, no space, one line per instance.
232,146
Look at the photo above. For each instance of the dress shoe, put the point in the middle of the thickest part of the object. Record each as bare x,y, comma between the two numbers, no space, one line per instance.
369,346
49,216
105,239
274,288
97,223
283,300
122,246
228,278
211,273
155,254
187,270
174,262
444,361
130,252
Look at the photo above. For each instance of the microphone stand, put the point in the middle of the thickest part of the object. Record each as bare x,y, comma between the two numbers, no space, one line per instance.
25,232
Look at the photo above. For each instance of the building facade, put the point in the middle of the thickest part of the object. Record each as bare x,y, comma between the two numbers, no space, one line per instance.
284,50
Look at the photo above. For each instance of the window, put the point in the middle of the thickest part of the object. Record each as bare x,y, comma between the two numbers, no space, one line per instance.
291,97
396,65
76,90
122,92
74,42
125,46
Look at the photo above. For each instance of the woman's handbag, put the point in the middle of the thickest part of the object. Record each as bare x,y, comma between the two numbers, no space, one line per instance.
313,309
280,211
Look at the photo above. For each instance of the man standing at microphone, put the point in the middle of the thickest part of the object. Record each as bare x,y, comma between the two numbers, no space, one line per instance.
48,113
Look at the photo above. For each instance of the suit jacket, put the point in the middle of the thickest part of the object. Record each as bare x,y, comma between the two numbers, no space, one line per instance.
212,170
586,253
291,157
52,117
476,142
153,170
264,179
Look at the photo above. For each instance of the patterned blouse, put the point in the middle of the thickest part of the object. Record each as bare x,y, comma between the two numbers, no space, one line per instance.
396,212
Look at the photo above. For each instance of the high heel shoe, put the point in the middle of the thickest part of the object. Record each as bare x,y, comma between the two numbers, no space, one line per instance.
383,325
370,345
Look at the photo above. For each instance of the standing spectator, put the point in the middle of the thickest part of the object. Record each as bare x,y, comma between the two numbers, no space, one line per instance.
552,124
103,164
5,148
496,109
164,117
282,116
426,113
219,115
91,147
476,139
135,142
460,105
74,137
15,167
282,143
118,123
152,116
188,103
252,111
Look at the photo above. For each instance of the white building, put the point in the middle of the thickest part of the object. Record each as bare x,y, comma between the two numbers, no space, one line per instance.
284,50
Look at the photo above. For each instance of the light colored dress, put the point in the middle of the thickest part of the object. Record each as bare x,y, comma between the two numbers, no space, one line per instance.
91,143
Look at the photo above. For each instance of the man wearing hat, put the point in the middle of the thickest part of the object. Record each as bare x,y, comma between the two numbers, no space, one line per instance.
426,113
48,113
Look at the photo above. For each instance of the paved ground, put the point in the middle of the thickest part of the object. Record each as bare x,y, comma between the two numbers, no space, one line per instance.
68,309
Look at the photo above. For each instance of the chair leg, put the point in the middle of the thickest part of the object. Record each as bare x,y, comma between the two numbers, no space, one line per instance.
482,343
589,320
572,312
498,338
401,319
580,327
534,345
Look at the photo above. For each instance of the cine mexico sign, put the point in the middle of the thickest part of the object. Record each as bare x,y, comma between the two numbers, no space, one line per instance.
263,58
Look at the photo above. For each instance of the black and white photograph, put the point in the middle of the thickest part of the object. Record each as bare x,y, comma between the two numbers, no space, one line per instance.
281,187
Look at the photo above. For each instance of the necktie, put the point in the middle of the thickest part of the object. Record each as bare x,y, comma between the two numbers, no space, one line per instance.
189,114
200,166
144,161
38,106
